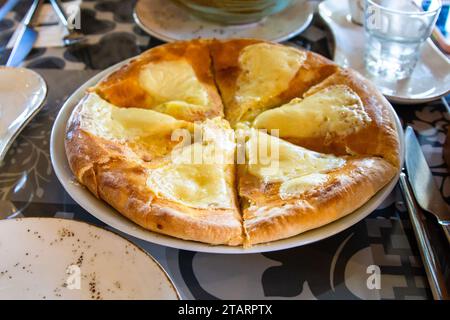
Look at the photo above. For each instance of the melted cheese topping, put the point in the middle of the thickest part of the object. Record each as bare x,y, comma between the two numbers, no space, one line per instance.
198,186
173,81
105,120
198,175
333,111
275,160
267,70
297,186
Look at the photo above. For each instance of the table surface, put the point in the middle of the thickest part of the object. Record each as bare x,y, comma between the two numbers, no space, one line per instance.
335,268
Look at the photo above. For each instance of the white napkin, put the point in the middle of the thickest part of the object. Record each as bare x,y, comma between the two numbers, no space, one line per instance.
50,30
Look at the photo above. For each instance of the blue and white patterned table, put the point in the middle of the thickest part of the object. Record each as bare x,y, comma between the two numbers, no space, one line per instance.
335,268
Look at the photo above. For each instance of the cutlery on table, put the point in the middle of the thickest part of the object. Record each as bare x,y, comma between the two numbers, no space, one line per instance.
74,36
26,37
420,191
422,182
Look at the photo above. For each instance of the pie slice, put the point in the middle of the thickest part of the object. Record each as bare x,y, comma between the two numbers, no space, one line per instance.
337,116
128,158
175,79
254,76
379,137
134,133
286,189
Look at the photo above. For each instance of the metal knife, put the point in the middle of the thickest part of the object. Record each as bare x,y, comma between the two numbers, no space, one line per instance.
26,37
429,256
422,182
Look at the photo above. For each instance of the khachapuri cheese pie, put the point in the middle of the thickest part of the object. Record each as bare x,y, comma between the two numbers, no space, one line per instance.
301,141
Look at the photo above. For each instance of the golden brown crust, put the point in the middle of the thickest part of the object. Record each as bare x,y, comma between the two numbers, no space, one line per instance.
270,218
225,56
123,185
122,87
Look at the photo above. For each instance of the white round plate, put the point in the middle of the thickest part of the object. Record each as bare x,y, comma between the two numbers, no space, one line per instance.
168,21
22,95
110,216
429,81
49,258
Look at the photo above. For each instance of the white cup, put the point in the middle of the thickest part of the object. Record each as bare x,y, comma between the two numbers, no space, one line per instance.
357,11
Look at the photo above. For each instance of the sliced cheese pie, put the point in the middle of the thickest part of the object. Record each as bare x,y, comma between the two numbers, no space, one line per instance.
234,142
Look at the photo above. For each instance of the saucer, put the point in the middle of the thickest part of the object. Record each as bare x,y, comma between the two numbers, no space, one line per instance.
429,81
168,21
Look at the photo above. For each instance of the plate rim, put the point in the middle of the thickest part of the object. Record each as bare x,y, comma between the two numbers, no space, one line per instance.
114,233
163,37
87,200
401,100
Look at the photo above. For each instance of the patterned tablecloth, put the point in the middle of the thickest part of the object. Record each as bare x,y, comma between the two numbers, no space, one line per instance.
336,268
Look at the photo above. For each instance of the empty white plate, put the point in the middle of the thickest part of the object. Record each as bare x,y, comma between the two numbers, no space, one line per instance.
429,81
49,258
22,94
170,22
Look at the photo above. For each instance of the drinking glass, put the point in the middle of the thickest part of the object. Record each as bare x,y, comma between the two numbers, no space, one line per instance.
395,31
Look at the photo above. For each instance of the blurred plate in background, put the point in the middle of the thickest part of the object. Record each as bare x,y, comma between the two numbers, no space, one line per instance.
168,21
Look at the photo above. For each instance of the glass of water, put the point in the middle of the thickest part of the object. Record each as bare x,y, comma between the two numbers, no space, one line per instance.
395,31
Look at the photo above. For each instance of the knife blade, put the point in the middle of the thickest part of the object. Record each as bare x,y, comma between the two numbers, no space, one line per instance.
26,37
422,182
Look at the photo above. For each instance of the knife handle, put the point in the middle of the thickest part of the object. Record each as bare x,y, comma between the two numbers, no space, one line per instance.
432,269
